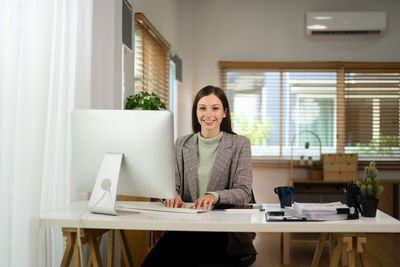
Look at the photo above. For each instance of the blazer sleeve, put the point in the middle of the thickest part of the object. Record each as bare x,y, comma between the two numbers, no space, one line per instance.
241,175
178,166
179,171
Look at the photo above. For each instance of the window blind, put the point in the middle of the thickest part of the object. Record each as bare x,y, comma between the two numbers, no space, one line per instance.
151,59
372,113
326,106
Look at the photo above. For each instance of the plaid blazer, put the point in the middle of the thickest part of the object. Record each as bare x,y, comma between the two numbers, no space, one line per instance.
231,176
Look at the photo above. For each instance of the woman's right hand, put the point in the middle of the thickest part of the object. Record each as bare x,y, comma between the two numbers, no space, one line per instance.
175,202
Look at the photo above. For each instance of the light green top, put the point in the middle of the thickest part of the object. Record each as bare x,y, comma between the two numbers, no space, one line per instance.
208,148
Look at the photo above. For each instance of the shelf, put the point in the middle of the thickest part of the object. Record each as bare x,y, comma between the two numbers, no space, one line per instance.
309,181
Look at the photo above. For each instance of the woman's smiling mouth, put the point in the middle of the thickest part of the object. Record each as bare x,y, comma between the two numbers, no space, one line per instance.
209,122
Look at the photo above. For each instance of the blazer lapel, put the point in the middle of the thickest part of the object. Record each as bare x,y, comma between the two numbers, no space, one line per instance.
190,165
222,161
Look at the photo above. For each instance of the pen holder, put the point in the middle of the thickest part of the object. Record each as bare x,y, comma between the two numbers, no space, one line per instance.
285,194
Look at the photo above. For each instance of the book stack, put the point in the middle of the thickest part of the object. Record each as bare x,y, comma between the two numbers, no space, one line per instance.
333,211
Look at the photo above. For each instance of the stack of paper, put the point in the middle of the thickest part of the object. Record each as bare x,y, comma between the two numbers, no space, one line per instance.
332,211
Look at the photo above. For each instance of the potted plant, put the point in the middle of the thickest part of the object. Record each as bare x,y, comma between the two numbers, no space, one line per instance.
301,160
309,160
316,170
369,191
144,100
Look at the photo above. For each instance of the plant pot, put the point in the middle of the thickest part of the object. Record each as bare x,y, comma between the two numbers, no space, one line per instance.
369,206
316,175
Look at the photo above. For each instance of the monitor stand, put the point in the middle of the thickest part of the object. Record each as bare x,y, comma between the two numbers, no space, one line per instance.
104,192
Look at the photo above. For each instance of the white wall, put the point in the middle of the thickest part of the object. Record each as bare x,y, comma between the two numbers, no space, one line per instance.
175,26
207,31
163,14
106,79
273,30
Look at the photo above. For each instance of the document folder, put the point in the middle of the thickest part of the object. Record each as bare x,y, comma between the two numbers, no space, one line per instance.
278,216
334,211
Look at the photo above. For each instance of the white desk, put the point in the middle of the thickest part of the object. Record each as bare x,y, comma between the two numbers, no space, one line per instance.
220,221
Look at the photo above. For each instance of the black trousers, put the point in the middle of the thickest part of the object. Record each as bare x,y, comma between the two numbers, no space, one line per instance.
188,249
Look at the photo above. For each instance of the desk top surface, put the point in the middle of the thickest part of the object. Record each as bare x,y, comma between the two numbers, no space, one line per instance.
221,221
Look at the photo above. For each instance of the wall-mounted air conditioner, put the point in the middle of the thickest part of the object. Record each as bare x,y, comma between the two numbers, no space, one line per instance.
344,23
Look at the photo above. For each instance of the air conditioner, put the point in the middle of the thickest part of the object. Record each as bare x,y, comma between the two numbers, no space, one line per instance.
345,23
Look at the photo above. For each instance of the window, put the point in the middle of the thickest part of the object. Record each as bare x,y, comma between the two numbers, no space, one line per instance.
372,113
152,59
345,107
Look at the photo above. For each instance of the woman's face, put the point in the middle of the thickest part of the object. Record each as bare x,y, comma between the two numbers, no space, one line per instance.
210,113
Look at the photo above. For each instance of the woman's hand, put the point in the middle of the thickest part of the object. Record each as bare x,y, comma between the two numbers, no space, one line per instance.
175,203
205,202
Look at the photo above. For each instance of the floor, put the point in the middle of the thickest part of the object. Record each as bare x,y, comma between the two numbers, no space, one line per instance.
381,249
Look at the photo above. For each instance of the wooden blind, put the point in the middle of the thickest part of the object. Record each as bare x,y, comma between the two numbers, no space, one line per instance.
350,107
372,113
151,59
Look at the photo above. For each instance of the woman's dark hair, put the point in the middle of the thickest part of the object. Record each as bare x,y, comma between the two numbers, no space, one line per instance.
226,125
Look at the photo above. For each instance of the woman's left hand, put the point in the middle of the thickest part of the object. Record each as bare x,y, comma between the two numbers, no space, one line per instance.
205,202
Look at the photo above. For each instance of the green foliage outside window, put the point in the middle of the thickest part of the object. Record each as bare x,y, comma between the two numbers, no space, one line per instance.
257,131
384,145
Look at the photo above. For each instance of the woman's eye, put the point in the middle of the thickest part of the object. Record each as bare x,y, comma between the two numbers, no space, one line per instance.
202,108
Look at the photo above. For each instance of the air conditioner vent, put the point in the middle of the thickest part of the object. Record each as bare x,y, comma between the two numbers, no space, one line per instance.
346,32
345,23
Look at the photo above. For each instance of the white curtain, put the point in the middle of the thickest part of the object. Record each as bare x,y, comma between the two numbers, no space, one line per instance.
45,55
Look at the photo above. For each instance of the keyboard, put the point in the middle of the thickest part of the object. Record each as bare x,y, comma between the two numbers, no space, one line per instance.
154,206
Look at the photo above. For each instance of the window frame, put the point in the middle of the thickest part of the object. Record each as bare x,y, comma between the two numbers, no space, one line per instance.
341,69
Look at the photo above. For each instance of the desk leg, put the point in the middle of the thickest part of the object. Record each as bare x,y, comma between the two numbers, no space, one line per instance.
335,255
124,248
350,244
319,249
94,251
93,238
285,237
110,250
90,236
68,250
77,261
349,249
360,250
90,263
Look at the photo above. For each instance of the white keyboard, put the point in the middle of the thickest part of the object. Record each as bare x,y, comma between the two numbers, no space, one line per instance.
154,206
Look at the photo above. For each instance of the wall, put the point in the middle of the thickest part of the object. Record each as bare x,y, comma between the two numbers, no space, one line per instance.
106,79
205,32
273,30
174,23
173,19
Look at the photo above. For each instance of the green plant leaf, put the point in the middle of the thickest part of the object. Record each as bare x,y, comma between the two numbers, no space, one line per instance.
145,101
369,186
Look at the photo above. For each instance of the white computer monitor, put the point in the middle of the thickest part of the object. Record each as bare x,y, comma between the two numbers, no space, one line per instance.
122,152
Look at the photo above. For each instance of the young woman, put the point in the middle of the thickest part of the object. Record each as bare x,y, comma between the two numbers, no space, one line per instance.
213,167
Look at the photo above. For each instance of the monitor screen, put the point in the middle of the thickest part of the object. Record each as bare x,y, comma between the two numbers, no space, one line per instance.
145,138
